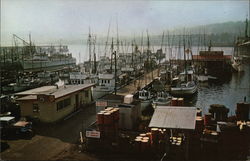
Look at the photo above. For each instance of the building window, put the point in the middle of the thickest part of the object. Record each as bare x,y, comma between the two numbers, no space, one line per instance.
64,103
86,94
36,108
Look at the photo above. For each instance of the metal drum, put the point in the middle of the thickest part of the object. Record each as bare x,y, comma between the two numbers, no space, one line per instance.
144,145
107,118
154,135
174,101
143,135
199,124
100,118
180,101
207,119
137,144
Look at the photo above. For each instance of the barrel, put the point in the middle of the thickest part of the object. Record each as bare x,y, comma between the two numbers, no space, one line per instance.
242,111
116,114
116,127
137,144
174,102
154,135
199,124
143,135
207,119
144,145
109,108
100,118
107,118
148,134
161,134
139,137
101,129
180,101
112,115
198,112
109,131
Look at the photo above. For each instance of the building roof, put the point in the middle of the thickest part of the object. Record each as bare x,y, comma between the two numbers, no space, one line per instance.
174,117
212,57
35,91
6,118
52,90
29,97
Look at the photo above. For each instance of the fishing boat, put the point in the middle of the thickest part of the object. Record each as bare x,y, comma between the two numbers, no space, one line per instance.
185,84
162,99
146,98
237,64
25,83
105,85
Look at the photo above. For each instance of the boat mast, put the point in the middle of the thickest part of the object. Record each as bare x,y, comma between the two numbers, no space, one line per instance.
112,50
162,39
31,53
95,67
106,43
169,57
89,43
185,63
246,29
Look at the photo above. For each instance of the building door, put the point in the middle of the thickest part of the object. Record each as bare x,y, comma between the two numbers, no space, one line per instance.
77,101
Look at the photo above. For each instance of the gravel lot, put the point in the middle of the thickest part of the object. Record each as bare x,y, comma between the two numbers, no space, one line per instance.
51,141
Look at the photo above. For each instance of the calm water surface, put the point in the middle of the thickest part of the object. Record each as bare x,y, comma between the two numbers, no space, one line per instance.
227,93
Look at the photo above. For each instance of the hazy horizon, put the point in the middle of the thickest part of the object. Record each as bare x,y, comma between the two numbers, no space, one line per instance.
52,21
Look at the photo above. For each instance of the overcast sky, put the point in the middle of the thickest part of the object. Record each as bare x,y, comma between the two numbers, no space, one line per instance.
71,19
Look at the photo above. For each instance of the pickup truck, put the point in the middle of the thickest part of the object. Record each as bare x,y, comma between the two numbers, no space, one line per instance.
9,126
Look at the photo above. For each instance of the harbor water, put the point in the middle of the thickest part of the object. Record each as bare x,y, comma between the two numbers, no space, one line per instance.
227,92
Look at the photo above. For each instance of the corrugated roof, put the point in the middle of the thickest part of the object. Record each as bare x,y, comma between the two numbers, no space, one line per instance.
174,117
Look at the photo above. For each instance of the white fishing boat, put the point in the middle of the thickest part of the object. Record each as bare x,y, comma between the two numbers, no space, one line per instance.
237,64
105,85
162,99
185,84
146,98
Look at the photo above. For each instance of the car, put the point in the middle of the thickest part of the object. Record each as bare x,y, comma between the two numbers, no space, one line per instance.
9,126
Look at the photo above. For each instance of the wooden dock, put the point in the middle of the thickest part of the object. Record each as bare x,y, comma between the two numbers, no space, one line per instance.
139,83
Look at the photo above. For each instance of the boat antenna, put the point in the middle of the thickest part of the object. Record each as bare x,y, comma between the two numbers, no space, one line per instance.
106,43
117,41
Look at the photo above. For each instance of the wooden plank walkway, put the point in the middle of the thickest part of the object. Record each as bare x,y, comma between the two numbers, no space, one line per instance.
141,82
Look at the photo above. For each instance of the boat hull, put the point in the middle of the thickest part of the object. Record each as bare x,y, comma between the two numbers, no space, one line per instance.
184,91
238,67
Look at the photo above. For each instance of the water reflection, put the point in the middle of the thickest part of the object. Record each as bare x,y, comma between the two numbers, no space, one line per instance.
227,92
